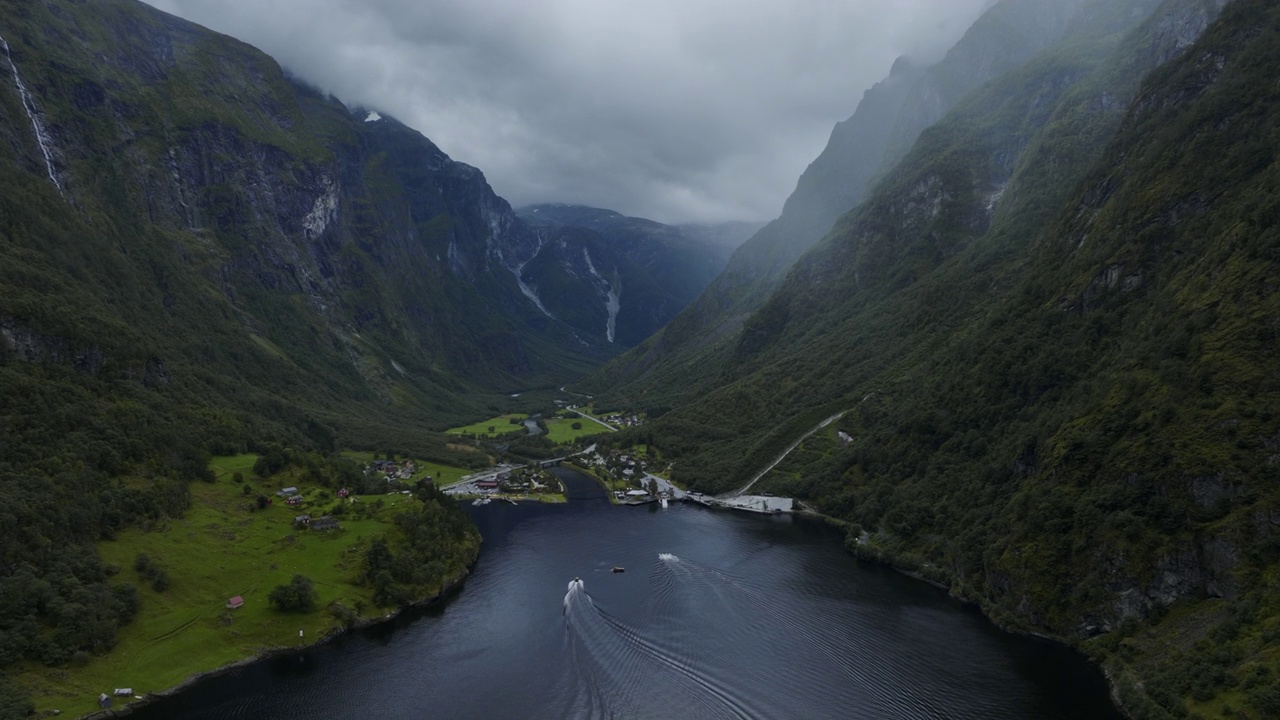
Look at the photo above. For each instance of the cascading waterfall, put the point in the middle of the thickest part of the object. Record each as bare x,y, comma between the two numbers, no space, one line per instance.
612,301
529,292
28,104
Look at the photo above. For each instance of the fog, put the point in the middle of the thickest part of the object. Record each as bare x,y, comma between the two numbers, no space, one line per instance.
676,110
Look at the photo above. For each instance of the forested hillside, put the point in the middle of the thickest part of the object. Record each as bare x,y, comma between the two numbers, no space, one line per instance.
199,254
1052,329
679,362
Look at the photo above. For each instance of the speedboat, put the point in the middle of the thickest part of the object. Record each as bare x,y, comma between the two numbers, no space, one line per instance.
617,568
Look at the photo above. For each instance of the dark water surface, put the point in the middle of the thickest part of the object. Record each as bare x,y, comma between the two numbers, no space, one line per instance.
718,615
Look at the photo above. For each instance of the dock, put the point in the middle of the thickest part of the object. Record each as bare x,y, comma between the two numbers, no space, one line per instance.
764,504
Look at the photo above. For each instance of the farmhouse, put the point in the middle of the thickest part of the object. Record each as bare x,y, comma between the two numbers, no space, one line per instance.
285,492
235,603
293,500
325,523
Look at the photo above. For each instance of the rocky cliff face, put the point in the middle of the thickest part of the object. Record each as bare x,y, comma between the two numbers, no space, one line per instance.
188,168
1050,330
616,278
888,120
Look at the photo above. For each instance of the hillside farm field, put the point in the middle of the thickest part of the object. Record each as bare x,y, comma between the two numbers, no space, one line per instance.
224,546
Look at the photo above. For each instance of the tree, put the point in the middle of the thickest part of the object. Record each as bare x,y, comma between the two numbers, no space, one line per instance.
576,426
298,596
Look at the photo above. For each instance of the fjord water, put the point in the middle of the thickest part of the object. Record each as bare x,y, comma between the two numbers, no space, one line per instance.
718,615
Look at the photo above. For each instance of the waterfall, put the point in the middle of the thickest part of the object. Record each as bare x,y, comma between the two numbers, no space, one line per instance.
29,105
611,301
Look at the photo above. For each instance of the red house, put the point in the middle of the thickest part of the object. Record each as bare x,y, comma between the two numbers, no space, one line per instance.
235,602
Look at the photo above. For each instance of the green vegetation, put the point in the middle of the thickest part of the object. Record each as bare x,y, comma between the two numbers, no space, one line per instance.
1052,327
299,595
226,546
561,431
493,427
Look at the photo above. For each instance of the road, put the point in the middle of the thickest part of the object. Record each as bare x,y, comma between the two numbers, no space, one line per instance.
589,417
743,490
467,485
665,485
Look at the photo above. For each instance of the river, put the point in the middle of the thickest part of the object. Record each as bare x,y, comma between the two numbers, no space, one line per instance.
718,615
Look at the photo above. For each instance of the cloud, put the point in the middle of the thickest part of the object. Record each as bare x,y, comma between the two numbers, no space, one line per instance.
676,110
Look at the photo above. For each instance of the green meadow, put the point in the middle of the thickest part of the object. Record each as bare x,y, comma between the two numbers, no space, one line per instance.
501,425
224,546
561,431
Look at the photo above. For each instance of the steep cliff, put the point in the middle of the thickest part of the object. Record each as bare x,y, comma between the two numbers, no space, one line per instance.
200,255
675,364
171,186
1051,333
617,278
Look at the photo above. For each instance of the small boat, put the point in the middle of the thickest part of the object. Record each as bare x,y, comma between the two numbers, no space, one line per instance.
617,568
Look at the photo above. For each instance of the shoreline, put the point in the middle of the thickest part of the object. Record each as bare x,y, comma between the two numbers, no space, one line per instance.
447,591
455,585
885,560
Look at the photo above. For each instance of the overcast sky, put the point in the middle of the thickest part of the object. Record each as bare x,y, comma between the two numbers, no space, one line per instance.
676,110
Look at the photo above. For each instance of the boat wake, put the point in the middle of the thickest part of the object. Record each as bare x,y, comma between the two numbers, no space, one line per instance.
621,671
749,613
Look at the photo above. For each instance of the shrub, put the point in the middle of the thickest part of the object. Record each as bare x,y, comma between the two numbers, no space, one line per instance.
298,596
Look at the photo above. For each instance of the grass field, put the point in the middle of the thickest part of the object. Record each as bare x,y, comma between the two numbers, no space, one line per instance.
501,425
560,430
220,549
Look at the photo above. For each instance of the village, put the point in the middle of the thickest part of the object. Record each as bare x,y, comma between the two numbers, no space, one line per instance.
628,476
512,483
395,477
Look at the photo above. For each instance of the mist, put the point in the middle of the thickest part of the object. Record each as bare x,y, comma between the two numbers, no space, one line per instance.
676,111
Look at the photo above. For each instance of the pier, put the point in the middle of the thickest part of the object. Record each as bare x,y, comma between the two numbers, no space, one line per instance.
766,504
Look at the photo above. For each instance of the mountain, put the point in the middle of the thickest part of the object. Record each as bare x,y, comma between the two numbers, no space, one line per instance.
673,365
200,254
181,212
618,279
1046,342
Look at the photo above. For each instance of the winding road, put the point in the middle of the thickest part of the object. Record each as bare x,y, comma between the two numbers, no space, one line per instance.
795,444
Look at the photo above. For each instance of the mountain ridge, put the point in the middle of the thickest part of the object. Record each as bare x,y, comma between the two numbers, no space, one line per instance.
1050,328
673,366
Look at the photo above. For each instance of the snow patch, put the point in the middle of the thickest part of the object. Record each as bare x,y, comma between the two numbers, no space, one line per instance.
29,105
399,369
372,117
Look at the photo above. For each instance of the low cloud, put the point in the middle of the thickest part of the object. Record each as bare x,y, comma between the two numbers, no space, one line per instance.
677,110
